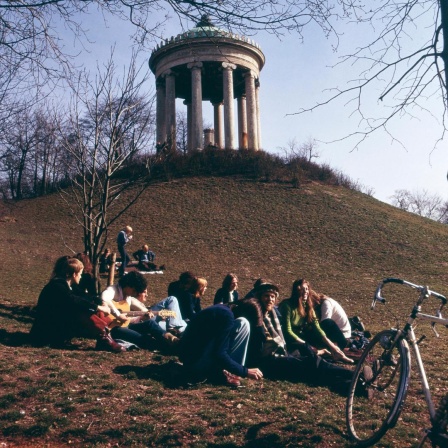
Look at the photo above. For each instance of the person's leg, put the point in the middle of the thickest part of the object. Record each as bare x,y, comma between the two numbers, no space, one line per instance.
129,335
148,327
123,256
239,340
333,332
333,375
172,304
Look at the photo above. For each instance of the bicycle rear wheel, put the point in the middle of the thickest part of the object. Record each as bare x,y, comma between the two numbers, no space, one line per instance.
373,406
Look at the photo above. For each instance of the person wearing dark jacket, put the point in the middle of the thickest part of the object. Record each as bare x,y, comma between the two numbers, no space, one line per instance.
123,238
61,314
228,292
145,258
215,343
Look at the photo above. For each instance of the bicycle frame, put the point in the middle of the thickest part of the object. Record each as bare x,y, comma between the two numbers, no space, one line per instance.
409,334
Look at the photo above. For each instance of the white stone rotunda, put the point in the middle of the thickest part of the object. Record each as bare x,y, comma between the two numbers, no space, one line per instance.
209,64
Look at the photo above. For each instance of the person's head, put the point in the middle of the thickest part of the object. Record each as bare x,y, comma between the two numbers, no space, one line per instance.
133,283
186,279
266,294
128,230
106,251
143,296
260,281
301,297
84,258
145,247
230,282
198,286
68,268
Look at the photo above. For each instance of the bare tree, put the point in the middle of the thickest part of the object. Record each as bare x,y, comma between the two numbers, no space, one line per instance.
111,123
421,203
307,150
402,54
181,132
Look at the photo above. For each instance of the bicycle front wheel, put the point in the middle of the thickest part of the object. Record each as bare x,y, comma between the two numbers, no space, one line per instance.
374,405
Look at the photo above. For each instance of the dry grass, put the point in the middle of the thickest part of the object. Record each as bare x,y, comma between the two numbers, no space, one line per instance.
342,241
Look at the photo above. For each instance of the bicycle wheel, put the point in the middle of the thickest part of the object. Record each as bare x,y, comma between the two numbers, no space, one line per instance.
374,406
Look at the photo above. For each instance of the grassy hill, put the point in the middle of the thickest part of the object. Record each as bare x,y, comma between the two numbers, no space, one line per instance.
344,242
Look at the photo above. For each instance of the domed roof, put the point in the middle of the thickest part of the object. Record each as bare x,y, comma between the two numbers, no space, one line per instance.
205,28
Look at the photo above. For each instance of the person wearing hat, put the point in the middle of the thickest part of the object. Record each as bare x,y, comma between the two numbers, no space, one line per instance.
267,346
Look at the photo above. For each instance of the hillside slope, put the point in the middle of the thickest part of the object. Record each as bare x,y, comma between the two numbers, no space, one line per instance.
341,240
344,242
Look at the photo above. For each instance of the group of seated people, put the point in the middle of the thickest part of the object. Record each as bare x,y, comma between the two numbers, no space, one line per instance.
234,338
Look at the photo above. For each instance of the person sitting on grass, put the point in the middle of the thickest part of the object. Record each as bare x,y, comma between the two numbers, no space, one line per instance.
105,261
87,285
181,287
228,292
190,301
62,315
146,259
140,330
214,347
332,319
267,348
300,323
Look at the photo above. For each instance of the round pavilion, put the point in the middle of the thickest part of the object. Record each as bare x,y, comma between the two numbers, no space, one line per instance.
209,64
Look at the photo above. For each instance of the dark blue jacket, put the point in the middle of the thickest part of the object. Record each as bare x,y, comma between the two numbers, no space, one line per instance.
204,346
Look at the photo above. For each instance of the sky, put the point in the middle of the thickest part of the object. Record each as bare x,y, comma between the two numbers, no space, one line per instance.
297,75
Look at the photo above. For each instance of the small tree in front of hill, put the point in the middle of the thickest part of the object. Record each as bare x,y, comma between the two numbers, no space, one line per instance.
110,124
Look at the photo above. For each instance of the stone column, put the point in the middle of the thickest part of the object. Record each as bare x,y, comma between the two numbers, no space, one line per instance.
189,132
217,123
229,132
197,133
160,112
252,132
242,122
257,96
170,109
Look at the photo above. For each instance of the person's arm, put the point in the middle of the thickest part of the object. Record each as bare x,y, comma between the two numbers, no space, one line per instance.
326,310
222,347
218,297
197,305
107,297
136,305
136,255
335,351
151,256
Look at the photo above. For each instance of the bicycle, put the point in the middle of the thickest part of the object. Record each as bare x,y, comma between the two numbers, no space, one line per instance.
370,415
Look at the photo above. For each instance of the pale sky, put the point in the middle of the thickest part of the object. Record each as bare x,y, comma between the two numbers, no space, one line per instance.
295,76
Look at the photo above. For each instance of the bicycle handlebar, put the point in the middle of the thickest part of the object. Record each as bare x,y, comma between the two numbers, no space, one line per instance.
379,298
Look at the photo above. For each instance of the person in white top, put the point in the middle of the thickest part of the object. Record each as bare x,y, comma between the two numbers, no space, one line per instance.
140,329
332,319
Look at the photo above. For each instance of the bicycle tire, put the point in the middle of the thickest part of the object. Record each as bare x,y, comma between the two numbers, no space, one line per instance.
369,418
